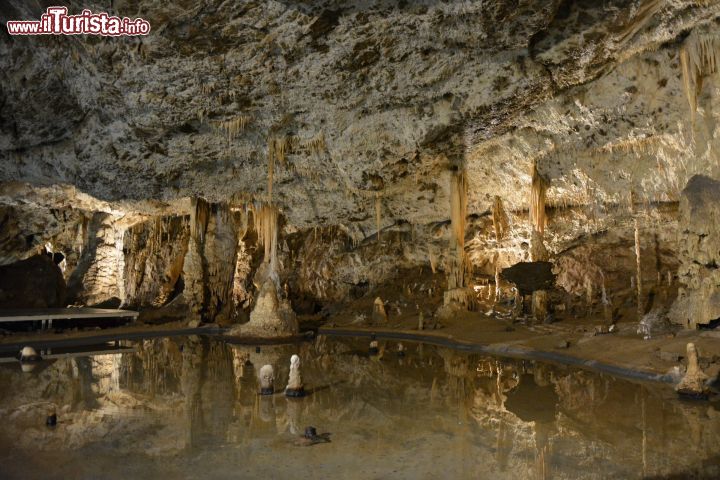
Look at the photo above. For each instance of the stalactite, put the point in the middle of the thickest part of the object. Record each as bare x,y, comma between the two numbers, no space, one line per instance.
638,282
499,218
232,128
316,145
278,148
537,200
199,219
698,57
378,214
458,219
265,218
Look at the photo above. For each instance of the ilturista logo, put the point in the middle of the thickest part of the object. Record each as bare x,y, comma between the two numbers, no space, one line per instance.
56,21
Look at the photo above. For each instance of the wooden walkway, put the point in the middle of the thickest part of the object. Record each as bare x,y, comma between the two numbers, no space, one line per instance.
46,315
72,352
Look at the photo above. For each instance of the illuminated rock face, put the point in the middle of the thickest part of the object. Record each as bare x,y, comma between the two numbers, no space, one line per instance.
271,317
699,253
351,121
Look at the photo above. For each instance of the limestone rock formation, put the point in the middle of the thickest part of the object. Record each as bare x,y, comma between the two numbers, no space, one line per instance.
33,283
295,387
693,383
379,315
698,300
271,316
266,376
452,139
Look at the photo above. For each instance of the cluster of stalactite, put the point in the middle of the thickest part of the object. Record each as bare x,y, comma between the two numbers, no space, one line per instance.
154,258
699,56
210,259
458,220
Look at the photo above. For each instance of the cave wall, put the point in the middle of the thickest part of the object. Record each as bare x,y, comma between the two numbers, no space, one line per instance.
154,253
699,253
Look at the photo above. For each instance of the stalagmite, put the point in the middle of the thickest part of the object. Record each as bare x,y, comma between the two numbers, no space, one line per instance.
272,315
540,305
499,218
266,377
379,315
693,383
295,387
29,354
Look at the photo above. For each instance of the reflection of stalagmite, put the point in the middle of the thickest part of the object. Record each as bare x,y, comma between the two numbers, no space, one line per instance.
192,358
499,218
294,415
267,410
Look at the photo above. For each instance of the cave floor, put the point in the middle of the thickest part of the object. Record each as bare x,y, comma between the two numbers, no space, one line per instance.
570,341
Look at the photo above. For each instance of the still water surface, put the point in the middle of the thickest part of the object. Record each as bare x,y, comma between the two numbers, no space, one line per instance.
187,408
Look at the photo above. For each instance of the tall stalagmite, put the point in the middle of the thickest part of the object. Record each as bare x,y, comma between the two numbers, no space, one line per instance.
272,315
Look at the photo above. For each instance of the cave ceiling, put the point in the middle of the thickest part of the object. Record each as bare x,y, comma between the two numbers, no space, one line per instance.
372,99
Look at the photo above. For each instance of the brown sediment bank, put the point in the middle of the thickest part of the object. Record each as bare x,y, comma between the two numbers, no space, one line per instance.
623,354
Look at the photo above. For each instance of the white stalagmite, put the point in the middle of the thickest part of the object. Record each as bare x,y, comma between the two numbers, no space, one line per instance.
295,387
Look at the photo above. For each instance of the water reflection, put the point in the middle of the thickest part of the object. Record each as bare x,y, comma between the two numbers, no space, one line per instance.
189,406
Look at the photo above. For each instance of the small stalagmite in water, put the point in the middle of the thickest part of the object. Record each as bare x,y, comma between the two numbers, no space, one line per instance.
693,383
295,386
29,354
267,380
